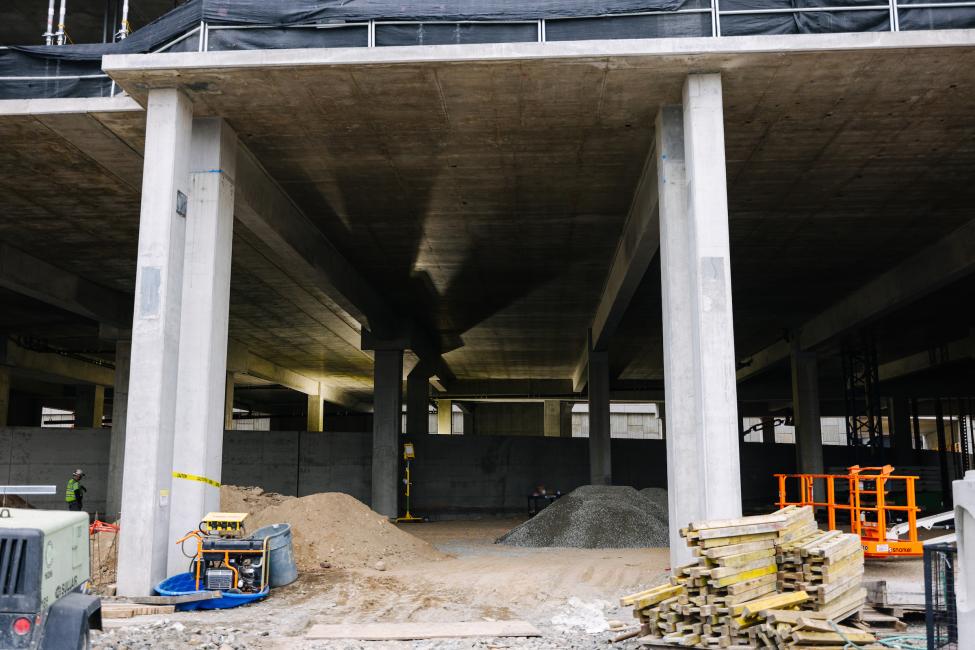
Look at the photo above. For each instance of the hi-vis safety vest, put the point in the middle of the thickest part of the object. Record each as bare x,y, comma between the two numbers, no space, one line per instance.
69,494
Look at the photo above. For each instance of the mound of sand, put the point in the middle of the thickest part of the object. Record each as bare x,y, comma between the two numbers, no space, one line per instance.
330,527
594,517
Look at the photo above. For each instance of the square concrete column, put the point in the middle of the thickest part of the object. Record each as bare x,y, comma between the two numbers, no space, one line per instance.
386,422
768,430
468,410
418,400
565,419
600,454
445,417
805,411
316,411
4,396
89,407
228,402
116,451
145,541
552,418
901,430
699,361
202,376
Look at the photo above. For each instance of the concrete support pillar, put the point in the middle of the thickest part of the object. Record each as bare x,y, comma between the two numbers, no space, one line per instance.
699,361
565,419
316,412
4,396
202,375
768,430
469,427
418,401
805,410
600,454
552,419
386,421
901,430
228,402
120,406
90,407
445,417
964,506
145,541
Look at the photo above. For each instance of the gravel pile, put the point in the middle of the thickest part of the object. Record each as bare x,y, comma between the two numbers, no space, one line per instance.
658,496
595,516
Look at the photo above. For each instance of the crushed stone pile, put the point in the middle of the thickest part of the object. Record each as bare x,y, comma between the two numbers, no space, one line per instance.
330,528
658,496
595,516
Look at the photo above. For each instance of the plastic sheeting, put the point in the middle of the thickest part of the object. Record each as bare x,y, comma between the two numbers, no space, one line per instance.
75,70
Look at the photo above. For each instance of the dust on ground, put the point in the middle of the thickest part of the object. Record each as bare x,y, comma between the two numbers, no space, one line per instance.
478,580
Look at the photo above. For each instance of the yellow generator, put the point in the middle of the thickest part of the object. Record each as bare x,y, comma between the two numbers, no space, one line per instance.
225,560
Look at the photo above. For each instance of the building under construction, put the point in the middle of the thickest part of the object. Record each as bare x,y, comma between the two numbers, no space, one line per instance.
653,243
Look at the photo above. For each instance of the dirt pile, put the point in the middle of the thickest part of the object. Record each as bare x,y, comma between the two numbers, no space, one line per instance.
594,517
14,501
330,527
103,549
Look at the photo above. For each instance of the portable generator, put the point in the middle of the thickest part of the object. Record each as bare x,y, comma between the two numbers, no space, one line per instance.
44,571
225,560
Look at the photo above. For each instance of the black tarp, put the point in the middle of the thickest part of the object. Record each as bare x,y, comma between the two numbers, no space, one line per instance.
75,70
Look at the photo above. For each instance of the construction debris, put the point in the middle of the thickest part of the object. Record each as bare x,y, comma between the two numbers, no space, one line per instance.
594,516
772,581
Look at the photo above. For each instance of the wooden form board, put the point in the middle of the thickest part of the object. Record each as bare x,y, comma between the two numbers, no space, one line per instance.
415,631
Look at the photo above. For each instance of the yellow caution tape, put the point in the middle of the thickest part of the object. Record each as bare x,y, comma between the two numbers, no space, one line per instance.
193,477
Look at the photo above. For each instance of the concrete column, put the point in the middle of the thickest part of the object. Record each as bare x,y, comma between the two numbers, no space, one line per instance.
316,412
418,401
805,409
120,405
768,430
144,542
552,418
202,375
600,455
386,420
565,419
902,431
445,417
4,396
469,426
699,361
228,402
964,500
89,407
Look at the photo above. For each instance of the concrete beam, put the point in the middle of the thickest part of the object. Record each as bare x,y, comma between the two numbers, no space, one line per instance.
267,211
500,388
936,266
637,246
54,364
27,275
243,361
948,353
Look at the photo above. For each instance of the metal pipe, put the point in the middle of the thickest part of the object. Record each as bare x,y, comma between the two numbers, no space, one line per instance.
49,34
124,31
61,33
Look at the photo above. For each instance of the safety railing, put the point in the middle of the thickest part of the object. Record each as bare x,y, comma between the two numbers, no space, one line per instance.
869,505
719,18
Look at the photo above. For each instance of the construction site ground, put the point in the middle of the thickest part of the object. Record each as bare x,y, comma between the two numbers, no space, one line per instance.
570,595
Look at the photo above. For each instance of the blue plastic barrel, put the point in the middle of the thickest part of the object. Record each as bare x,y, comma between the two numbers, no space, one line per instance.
281,556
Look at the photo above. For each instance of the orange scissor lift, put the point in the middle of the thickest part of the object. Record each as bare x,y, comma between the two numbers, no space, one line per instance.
869,505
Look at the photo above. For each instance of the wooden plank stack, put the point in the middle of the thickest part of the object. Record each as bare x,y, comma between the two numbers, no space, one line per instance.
747,587
829,567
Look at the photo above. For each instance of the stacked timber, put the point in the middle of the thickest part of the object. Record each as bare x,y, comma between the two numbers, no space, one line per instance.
736,596
829,567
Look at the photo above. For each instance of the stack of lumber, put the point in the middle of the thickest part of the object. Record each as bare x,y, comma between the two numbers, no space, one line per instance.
829,567
734,595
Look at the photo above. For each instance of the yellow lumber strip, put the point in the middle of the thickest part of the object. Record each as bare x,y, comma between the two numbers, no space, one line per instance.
778,601
652,599
626,601
742,577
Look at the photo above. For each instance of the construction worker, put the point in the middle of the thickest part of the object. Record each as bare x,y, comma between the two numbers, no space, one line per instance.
74,494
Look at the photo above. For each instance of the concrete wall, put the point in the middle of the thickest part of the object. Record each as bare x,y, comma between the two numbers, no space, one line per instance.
509,419
35,456
454,475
